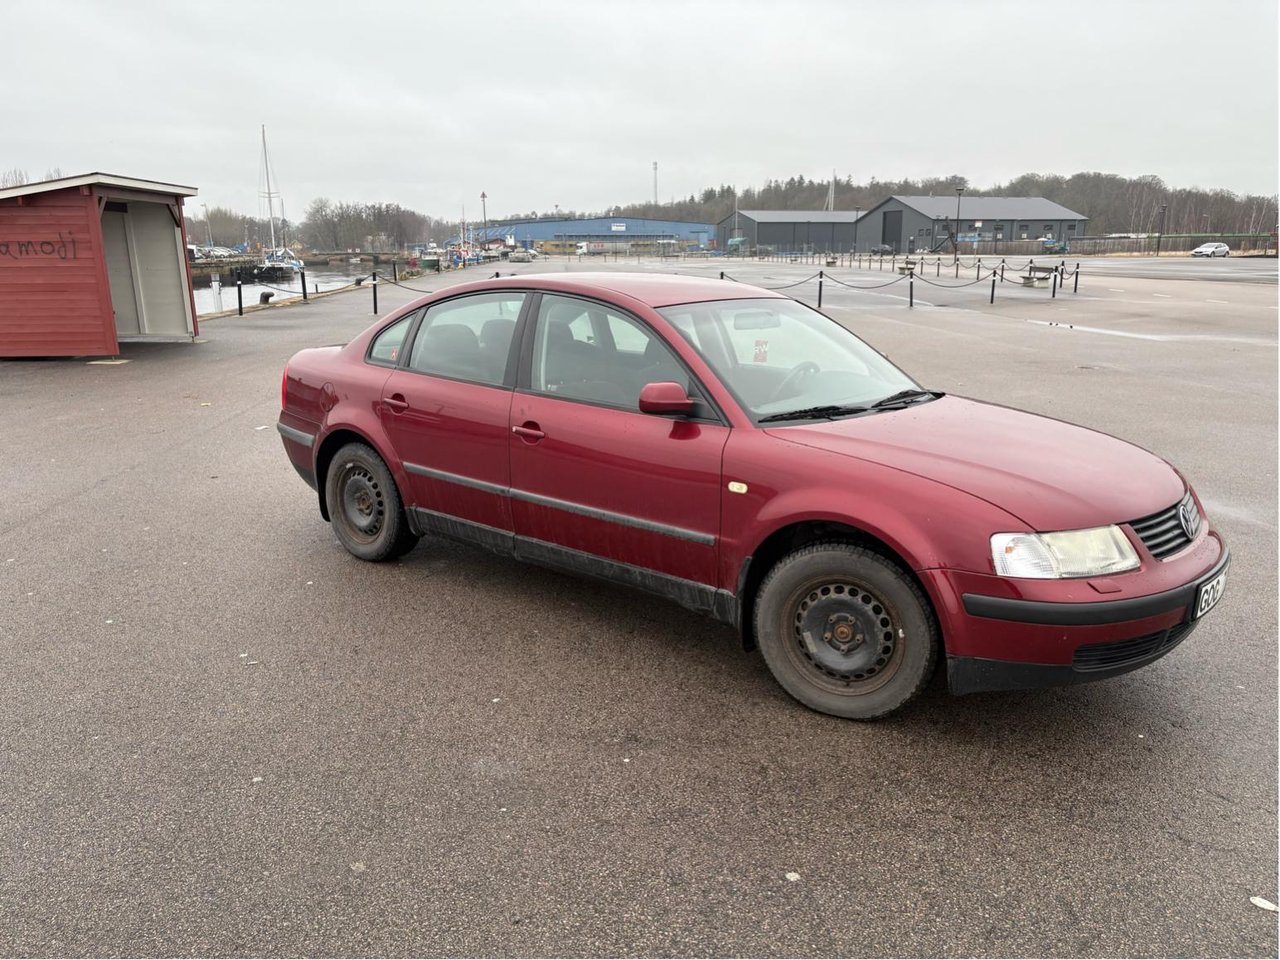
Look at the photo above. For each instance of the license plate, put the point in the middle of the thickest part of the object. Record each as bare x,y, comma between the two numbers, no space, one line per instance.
1208,595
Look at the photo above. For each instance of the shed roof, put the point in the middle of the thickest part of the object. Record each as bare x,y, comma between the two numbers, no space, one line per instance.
98,179
801,216
990,208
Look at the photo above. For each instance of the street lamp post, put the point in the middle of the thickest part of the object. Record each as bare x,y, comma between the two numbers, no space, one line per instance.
484,214
955,235
1164,215
208,230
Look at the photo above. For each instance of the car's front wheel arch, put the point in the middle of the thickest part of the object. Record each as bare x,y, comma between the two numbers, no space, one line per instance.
795,536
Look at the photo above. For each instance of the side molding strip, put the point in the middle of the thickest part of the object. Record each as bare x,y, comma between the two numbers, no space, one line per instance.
679,533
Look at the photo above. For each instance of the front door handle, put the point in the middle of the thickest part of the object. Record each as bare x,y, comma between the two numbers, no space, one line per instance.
396,403
529,431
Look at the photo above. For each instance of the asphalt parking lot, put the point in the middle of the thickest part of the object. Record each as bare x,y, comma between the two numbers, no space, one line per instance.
222,735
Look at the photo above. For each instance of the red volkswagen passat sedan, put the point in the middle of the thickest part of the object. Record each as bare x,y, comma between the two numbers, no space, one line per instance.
748,457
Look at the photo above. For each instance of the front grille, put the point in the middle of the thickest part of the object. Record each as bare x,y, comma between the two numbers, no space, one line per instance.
1162,533
1122,653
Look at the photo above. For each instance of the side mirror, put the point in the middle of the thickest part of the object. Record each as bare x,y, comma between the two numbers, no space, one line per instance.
666,397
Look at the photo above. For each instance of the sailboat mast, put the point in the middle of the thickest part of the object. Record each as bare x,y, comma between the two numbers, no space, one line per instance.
271,210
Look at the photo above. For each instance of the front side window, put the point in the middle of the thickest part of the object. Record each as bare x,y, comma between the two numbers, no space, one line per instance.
585,351
776,355
468,338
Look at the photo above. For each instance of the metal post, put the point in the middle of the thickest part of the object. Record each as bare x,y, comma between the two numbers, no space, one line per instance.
937,267
721,274
911,288
303,275
375,293
1053,294
1002,269
977,270
957,267
820,277
395,274
993,286
239,293
1075,287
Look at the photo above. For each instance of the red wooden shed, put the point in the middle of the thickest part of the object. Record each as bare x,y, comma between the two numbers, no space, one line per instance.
87,262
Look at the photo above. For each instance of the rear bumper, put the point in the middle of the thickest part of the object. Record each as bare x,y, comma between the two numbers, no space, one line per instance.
298,444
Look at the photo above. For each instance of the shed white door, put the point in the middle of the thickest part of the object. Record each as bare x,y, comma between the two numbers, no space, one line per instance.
161,272
115,247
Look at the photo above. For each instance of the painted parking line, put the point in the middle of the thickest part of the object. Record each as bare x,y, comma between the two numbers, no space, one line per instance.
1217,301
1162,296
1114,290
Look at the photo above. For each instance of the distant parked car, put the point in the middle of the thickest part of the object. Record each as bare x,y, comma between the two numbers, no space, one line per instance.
882,249
520,256
1211,250
744,455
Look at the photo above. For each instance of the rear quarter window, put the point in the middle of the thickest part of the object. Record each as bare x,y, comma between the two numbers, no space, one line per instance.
386,345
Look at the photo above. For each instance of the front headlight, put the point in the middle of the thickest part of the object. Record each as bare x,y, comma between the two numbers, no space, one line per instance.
1071,553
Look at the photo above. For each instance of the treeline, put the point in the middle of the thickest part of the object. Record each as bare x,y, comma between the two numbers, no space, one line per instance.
1114,204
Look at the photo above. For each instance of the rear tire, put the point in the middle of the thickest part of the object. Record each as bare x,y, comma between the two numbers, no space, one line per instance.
367,514
845,631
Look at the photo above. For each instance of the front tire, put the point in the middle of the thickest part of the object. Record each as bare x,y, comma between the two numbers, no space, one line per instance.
845,631
367,514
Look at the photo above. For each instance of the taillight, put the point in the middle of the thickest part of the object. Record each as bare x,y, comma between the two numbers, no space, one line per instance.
284,386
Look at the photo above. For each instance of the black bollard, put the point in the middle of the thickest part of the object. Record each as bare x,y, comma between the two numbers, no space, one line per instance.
303,275
911,288
375,292
721,274
239,294
1053,292
395,274
820,275
1002,270
993,286
1075,287
977,270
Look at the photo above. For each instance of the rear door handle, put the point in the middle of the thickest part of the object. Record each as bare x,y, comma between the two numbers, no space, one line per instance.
529,431
396,403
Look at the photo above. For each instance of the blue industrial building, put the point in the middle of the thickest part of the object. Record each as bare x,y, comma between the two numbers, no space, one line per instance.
611,230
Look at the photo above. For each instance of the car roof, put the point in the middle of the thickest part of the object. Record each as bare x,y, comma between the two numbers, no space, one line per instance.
652,289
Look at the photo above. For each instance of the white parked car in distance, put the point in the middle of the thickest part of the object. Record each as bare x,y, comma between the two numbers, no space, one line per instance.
1211,250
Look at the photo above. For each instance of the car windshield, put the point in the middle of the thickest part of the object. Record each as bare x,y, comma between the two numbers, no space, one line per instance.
777,356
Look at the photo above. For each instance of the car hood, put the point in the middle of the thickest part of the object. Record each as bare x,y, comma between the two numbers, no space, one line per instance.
1050,474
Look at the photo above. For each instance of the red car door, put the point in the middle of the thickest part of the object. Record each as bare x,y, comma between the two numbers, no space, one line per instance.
446,409
595,483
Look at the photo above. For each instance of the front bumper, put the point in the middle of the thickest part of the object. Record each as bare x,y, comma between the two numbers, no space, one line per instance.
1024,642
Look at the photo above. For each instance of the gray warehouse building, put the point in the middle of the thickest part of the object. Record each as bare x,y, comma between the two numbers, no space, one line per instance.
911,224
791,231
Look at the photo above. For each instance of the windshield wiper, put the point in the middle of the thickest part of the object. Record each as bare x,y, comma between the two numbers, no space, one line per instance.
904,396
813,413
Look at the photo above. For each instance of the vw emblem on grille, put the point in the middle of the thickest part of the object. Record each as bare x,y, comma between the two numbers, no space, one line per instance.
1189,518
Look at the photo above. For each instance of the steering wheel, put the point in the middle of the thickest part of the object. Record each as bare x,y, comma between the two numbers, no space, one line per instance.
805,368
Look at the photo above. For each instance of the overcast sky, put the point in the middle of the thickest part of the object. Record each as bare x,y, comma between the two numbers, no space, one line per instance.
543,103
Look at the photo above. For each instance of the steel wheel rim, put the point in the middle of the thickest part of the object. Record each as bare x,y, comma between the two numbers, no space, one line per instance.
844,636
363,504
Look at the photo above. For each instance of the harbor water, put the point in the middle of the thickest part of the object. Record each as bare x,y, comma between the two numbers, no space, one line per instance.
319,279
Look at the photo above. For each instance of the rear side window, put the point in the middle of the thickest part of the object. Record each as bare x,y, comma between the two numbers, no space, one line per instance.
386,345
468,338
